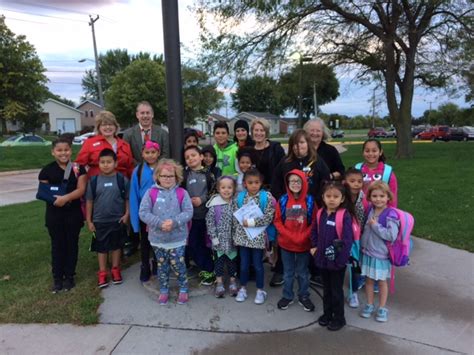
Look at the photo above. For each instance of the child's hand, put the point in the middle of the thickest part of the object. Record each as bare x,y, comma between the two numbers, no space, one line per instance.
196,201
373,221
60,201
167,225
90,226
124,218
245,223
313,251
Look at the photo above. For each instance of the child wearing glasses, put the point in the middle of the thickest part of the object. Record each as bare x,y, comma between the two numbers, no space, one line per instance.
167,209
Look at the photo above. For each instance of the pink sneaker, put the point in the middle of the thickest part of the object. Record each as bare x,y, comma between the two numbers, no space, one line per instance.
163,299
183,298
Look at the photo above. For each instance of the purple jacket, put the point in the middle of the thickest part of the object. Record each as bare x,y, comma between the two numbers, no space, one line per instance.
322,236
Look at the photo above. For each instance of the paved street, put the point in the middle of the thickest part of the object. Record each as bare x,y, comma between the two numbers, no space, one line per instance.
17,187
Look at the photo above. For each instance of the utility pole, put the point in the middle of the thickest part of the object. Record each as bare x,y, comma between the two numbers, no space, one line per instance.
315,101
174,94
373,109
97,67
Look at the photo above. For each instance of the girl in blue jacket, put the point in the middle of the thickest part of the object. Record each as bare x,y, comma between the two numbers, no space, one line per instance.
142,180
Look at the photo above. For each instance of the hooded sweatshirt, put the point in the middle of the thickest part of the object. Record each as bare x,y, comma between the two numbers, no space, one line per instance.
213,168
294,233
219,225
226,158
166,207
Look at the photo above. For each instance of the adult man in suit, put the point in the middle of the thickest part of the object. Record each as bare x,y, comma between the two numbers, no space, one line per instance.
145,130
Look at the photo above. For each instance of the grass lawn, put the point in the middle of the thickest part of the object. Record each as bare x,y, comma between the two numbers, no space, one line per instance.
436,187
25,272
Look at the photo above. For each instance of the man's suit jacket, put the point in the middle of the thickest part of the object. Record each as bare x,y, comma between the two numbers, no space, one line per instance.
133,136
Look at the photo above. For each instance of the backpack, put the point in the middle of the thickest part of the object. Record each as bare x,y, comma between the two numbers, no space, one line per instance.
399,250
76,169
387,171
139,174
309,207
154,192
120,183
271,231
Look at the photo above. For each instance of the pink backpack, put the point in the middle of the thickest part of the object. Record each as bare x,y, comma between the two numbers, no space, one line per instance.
154,191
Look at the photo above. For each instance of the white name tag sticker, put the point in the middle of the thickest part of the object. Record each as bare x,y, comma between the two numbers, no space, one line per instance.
296,207
331,223
54,188
108,184
96,144
192,181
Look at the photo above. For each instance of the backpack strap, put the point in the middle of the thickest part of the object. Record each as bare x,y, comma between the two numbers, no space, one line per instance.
358,166
217,214
340,221
121,185
180,195
241,198
263,200
94,186
318,217
283,201
139,174
309,208
387,172
153,195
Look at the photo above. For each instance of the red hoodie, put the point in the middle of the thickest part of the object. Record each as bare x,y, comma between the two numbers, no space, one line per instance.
294,233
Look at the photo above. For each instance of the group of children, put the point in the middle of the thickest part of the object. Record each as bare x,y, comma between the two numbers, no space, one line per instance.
189,213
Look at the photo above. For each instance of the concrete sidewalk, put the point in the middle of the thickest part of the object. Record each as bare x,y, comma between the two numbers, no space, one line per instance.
430,312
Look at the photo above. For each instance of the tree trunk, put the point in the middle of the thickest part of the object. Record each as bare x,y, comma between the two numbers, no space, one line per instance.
4,126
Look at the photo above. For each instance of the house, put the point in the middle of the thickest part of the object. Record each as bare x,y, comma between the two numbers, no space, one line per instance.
89,111
288,125
249,116
60,117
208,127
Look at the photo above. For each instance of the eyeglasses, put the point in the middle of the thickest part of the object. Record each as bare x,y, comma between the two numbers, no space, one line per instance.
167,176
297,182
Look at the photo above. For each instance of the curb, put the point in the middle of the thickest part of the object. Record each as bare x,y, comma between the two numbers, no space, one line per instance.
19,172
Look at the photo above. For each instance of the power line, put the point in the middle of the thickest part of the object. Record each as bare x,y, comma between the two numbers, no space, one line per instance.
19,19
43,15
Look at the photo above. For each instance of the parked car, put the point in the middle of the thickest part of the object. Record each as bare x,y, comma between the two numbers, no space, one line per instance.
417,130
79,140
337,133
392,133
25,140
377,132
434,133
468,132
460,134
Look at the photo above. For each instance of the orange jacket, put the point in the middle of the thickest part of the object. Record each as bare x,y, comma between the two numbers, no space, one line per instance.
89,155
294,233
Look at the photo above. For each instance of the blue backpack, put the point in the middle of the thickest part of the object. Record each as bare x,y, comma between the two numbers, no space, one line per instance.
263,200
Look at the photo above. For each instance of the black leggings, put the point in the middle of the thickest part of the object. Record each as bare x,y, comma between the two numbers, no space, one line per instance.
220,263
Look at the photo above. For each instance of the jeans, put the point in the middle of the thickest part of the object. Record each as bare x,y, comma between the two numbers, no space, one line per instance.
295,263
171,259
257,258
196,248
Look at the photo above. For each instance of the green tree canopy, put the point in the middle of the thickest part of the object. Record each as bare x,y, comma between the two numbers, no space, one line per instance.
22,82
257,94
398,42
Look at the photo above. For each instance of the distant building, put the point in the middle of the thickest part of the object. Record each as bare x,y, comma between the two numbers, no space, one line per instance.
288,125
60,117
89,111
249,116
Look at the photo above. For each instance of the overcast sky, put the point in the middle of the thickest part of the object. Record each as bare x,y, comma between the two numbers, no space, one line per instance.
60,32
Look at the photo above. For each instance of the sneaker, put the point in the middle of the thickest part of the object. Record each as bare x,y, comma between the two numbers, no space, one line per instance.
382,315
367,311
260,297
276,280
68,284
129,249
353,300
284,303
324,320
241,295
183,297
57,286
220,290
207,278
316,280
163,299
308,306
233,290
376,287
145,273
335,325
102,282
116,276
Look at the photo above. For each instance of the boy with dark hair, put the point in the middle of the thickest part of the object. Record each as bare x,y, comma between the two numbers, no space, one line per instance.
226,150
199,182
107,215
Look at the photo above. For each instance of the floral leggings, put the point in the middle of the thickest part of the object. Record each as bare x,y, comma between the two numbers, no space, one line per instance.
171,259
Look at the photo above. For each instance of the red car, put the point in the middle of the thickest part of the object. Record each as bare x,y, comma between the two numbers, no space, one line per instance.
377,132
434,133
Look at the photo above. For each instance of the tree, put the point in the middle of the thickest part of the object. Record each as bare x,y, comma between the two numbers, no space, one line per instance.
144,79
61,99
257,94
22,82
321,75
399,42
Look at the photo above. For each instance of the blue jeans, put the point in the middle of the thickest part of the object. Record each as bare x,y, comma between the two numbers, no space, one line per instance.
171,260
257,261
295,263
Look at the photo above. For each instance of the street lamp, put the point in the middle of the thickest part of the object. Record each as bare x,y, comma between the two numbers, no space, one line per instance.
99,81
301,58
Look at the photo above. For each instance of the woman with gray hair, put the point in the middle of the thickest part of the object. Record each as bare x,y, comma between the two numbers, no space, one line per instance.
319,133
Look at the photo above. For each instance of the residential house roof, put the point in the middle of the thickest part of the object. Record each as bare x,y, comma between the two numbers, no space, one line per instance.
62,104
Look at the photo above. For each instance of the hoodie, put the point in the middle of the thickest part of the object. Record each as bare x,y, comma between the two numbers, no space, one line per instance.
213,168
198,183
294,233
220,230
226,158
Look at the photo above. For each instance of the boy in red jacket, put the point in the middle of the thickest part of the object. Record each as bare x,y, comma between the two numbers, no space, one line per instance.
294,213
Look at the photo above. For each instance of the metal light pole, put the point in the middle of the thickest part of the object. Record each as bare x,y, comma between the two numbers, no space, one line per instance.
174,95
97,67
301,58
315,101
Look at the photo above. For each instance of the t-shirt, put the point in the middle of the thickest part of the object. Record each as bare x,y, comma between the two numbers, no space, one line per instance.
109,206
54,174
